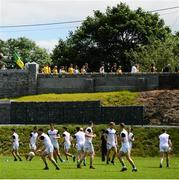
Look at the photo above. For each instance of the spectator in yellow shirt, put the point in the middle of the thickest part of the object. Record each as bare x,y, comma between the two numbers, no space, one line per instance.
55,70
70,69
46,69
119,70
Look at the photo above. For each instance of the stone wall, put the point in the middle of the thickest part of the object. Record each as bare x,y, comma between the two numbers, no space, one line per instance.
69,112
15,83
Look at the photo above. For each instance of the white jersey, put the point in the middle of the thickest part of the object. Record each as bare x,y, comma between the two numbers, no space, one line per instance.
53,134
111,136
67,137
80,138
88,139
15,138
164,139
46,140
131,139
124,137
33,137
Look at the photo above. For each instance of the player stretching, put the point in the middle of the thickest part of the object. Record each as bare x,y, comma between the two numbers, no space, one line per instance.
131,138
80,141
125,149
15,145
165,146
111,142
54,136
48,149
88,146
32,144
67,144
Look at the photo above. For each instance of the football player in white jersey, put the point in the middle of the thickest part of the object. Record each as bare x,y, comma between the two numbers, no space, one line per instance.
80,141
15,145
165,147
125,149
111,140
131,138
32,144
88,146
48,149
54,136
67,144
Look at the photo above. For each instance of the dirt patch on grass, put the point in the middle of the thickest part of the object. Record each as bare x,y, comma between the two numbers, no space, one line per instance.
162,106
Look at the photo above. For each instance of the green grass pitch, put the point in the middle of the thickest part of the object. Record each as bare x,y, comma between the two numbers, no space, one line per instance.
148,168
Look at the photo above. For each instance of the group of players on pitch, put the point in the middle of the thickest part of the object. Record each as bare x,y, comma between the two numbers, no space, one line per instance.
84,145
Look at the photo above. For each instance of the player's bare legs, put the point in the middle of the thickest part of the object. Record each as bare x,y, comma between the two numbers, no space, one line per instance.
161,158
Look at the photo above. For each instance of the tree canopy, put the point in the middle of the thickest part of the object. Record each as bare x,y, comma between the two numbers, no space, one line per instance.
27,49
111,37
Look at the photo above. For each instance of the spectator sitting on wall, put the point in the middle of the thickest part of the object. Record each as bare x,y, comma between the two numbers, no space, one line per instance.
119,70
62,70
153,68
108,67
87,68
1,56
167,68
3,67
71,69
135,68
101,69
114,68
55,70
76,70
46,69
177,69
83,70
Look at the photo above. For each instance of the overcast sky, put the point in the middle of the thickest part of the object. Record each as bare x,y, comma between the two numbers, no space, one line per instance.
17,12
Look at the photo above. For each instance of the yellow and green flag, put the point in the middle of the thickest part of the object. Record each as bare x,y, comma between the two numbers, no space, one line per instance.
18,60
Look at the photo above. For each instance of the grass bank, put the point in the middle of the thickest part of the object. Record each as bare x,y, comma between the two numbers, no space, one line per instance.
106,98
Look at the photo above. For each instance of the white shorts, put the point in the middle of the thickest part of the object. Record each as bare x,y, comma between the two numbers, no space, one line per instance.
49,149
88,147
125,149
109,146
32,147
164,148
55,145
15,146
80,147
67,146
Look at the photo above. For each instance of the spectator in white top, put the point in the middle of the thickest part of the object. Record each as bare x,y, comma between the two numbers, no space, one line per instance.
135,68
165,147
101,69
76,70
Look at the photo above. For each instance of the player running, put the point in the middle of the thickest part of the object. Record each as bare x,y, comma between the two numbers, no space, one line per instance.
131,138
125,149
48,149
32,144
165,146
88,146
80,141
54,136
111,142
67,144
15,145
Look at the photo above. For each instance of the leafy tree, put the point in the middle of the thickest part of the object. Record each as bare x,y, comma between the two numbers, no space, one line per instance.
160,53
108,36
26,48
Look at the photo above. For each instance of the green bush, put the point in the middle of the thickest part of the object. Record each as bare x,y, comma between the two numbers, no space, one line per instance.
146,138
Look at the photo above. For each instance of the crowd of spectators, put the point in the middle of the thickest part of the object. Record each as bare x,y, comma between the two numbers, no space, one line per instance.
114,68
